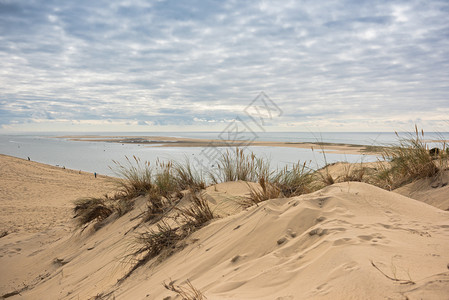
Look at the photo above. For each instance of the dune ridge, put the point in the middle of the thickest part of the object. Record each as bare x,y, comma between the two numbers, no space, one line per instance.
346,241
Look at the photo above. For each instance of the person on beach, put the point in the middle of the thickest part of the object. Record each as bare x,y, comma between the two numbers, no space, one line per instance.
95,174
28,158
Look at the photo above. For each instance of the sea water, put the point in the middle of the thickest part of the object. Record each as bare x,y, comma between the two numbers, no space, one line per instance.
99,157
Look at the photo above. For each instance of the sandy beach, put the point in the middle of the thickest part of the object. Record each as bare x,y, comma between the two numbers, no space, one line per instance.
165,141
349,240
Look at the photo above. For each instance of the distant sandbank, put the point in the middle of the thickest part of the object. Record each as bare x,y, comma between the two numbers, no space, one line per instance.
165,141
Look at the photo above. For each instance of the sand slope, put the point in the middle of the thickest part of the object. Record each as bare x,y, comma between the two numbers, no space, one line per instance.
316,246
35,213
36,197
433,191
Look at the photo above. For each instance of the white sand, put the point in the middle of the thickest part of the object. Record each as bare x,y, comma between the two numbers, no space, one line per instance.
316,246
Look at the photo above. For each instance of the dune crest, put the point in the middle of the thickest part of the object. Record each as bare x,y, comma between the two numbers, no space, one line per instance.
348,240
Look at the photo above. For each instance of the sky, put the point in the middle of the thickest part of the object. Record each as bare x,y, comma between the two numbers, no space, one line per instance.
201,65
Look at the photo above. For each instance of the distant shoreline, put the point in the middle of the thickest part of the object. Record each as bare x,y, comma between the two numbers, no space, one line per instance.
164,141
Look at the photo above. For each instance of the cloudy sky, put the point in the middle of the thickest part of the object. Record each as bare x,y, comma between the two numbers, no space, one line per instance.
196,65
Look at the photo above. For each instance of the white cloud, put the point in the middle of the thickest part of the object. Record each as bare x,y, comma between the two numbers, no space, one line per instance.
190,63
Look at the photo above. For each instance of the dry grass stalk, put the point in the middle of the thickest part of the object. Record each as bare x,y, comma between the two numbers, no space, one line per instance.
295,181
267,191
187,177
165,240
409,160
234,166
354,174
198,213
91,209
136,177
187,292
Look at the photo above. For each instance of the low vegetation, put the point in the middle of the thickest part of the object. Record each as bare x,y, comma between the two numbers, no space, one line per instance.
409,160
267,191
187,177
236,165
169,233
91,209
135,177
176,206
186,292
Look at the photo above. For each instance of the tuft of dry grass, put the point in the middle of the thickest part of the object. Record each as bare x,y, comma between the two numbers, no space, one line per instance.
198,213
409,160
135,177
267,191
187,177
353,173
236,165
155,241
157,206
295,181
91,209
167,237
187,292
164,181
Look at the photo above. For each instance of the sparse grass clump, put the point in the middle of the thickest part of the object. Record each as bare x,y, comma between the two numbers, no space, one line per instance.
234,166
198,213
353,173
187,177
408,161
287,182
91,209
187,292
135,177
155,241
267,191
295,181
171,230
165,183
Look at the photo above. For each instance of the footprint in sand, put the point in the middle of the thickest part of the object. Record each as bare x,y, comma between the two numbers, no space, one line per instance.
374,238
344,241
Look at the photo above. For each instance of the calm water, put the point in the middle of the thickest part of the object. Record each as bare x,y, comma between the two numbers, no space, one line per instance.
98,156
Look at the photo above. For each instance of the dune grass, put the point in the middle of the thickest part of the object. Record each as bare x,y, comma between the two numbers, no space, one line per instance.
287,182
167,185
197,213
187,177
188,219
409,160
294,181
354,172
135,177
171,231
92,210
267,191
236,165
186,292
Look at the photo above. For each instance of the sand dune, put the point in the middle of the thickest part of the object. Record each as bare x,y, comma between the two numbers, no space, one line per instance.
346,241
36,197
433,191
